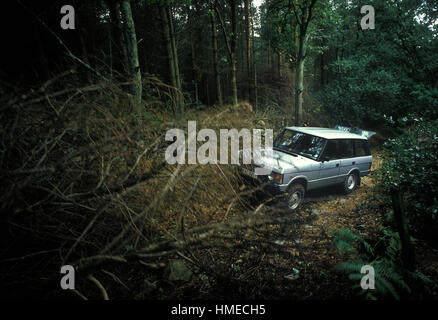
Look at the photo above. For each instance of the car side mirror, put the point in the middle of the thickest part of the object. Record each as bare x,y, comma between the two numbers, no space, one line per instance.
325,158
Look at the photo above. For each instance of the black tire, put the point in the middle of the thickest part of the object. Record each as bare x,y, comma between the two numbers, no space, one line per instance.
351,183
295,197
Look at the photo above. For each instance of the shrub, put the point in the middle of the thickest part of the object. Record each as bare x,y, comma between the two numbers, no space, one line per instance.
413,167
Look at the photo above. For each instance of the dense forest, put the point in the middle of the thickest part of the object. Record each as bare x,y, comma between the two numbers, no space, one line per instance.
89,90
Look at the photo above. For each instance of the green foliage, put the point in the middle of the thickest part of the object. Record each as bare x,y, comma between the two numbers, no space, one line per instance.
413,166
280,26
391,280
386,71
427,100
364,91
348,242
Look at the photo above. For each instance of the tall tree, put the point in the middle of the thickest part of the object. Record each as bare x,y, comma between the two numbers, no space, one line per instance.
120,56
175,59
231,45
132,53
195,69
233,48
254,67
172,57
303,12
248,46
217,76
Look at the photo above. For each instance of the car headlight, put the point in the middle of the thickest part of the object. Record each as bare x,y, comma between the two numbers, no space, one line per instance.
276,178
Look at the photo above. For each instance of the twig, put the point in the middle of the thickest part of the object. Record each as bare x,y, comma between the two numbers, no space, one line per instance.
100,286
79,294
117,279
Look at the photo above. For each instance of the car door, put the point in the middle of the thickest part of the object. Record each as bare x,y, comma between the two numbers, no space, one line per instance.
330,163
363,156
346,155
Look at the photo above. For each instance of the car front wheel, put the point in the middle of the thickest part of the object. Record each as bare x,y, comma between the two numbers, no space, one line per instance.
295,197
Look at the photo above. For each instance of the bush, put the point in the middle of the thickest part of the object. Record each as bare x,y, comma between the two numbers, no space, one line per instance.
362,92
413,167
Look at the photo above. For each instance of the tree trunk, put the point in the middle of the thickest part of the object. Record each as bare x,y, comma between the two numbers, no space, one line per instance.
166,33
175,61
170,57
117,33
132,51
248,47
299,79
299,87
407,251
322,62
195,68
215,50
233,49
303,15
254,68
269,60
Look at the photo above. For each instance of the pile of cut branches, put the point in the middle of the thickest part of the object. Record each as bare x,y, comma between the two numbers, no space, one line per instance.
86,184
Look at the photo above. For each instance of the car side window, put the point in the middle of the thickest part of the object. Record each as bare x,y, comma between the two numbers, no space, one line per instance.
339,149
361,148
346,149
332,150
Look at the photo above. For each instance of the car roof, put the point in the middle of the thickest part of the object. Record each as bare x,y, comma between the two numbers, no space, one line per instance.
327,133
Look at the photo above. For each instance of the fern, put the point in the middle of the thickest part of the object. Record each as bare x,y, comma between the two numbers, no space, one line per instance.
349,242
390,277
350,266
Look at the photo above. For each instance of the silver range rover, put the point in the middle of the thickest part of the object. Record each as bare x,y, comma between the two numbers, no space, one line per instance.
307,158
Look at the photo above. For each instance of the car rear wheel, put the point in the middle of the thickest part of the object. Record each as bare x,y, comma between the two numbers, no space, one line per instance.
295,197
351,182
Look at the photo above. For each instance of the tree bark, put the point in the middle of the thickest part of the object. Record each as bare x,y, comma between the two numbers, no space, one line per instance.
172,57
299,80
117,33
166,33
175,60
407,250
254,68
233,49
269,59
195,68
322,64
303,15
132,52
231,46
248,47
215,51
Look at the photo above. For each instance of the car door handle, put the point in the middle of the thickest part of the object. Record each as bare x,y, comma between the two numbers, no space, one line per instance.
337,165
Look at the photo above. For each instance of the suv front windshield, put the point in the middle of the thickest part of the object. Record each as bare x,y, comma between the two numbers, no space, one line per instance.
299,143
